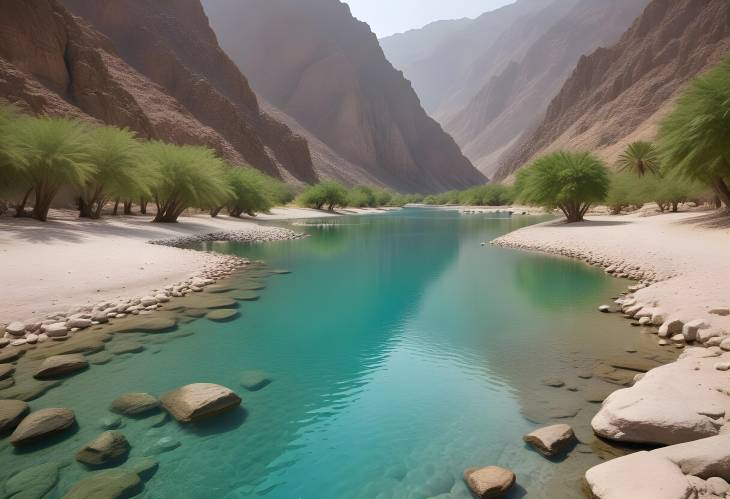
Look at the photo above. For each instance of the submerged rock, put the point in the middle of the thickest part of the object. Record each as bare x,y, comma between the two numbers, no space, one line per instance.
199,401
112,484
551,440
32,483
135,404
222,315
145,467
110,422
11,413
61,365
255,380
41,424
107,448
164,444
491,481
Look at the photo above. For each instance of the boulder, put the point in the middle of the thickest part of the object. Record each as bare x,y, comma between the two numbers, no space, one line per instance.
254,380
222,315
9,354
145,467
718,486
491,481
32,483
124,347
164,444
78,323
107,448
111,484
61,365
6,370
146,301
605,309
641,475
705,458
199,401
11,413
690,330
56,330
100,316
671,404
41,424
110,422
551,440
135,404
670,328
725,344
16,329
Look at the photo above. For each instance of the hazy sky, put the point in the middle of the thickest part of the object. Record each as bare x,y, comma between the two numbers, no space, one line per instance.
386,17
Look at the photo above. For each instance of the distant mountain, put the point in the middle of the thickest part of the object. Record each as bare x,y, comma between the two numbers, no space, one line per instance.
52,63
171,42
325,69
618,94
505,84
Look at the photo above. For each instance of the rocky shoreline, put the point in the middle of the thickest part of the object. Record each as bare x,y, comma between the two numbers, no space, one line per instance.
683,405
259,234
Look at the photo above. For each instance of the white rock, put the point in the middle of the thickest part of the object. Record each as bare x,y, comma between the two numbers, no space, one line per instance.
18,343
705,458
705,335
690,329
722,366
551,440
670,328
32,338
677,337
146,301
162,298
78,323
55,330
605,309
645,321
717,486
658,318
16,329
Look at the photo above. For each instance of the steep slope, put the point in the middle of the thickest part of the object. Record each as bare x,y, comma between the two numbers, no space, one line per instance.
516,98
51,63
317,63
617,94
171,42
448,62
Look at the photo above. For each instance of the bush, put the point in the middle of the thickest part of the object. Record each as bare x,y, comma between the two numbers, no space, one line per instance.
251,192
329,194
187,176
570,181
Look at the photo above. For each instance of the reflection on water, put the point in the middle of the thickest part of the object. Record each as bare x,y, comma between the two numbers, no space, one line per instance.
401,352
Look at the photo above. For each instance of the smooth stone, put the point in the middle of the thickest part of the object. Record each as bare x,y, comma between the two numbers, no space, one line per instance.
244,295
135,404
690,330
78,323
553,382
145,467
100,358
704,458
7,383
41,424
670,328
254,380
15,328
157,421
222,315
87,343
61,365
165,444
32,483
56,330
12,413
6,370
124,347
104,449
720,311
722,366
9,354
195,313
718,486
551,440
488,482
29,390
199,401
111,422
111,484
158,322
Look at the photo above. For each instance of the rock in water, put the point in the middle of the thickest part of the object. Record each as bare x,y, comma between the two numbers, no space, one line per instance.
112,484
488,482
222,315
61,365
104,449
254,380
41,424
135,404
33,482
551,440
145,467
11,413
199,401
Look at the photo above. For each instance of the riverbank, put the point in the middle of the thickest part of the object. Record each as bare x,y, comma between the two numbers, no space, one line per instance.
683,296
67,264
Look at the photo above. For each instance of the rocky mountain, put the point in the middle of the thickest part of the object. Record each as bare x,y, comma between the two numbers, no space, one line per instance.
51,63
325,69
171,42
517,72
618,94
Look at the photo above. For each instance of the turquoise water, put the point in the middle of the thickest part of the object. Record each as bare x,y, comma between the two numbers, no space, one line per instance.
402,351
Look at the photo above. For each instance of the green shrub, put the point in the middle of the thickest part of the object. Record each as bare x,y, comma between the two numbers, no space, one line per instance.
251,192
329,194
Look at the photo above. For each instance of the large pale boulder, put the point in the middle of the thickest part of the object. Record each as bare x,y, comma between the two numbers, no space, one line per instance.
107,448
551,440
41,424
61,365
671,404
705,458
16,329
199,401
11,413
691,329
112,484
639,475
491,481
135,404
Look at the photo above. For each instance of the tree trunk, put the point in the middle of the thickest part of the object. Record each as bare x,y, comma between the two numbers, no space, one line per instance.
675,207
116,208
722,191
143,206
127,207
85,209
42,205
215,211
20,207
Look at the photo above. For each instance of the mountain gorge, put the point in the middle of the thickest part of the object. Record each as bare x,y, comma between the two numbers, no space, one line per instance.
325,69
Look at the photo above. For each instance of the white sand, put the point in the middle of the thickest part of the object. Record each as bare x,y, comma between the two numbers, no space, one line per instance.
688,250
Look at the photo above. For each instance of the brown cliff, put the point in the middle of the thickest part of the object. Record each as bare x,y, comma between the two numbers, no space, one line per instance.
618,94
317,63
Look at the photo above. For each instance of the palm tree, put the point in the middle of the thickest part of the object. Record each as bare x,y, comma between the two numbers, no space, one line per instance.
187,176
570,181
694,139
12,181
120,170
639,157
53,154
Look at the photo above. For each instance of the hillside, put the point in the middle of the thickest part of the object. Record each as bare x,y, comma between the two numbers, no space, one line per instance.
618,94
317,63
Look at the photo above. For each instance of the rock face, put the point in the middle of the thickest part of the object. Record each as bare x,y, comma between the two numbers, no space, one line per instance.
491,481
671,404
317,63
552,440
199,401
495,76
171,43
104,449
11,413
617,94
135,404
41,424
61,365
